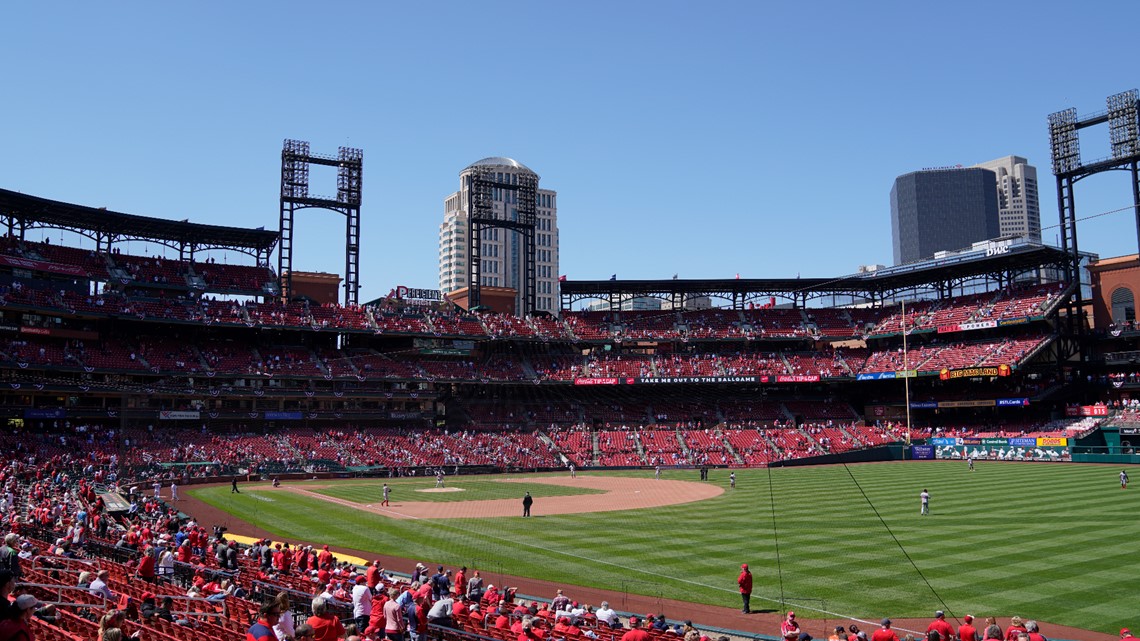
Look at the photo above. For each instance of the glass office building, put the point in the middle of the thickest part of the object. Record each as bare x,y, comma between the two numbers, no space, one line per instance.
937,210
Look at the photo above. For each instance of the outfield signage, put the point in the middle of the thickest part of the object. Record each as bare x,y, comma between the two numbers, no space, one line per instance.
1013,402
701,379
169,415
922,452
1052,441
1130,431
45,413
43,266
1086,410
596,381
1023,441
282,416
952,404
924,405
975,372
795,378
880,376
966,327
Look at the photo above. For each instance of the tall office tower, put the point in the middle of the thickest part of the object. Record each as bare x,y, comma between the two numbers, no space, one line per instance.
942,209
1019,211
502,260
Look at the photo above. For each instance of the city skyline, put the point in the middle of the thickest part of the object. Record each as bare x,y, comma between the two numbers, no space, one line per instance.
700,141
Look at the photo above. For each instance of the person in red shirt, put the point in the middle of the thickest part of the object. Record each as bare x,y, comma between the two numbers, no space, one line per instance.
145,569
527,633
326,626
967,631
475,617
460,584
372,575
789,628
636,632
745,583
939,624
885,633
1126,634
1033,632
1015,628
325,558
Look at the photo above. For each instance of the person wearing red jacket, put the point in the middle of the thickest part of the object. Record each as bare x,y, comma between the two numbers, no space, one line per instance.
745,583
145,569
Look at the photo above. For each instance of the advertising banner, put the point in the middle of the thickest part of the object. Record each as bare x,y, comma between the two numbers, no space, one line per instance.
942,442
168,415
1013,402
1086,410
965,327
596,381
924,405
1052,441
42,266
922,452
797,378
282,416
995,441
699,379
1023,442
45,413
981,403
875,376
975,372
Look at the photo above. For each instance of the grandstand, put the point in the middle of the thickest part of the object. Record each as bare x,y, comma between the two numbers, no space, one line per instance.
151,364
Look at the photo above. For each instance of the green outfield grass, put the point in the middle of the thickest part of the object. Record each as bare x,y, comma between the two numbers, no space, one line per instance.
474,488
1049,541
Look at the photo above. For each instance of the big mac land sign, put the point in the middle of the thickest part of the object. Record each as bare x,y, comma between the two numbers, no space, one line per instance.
975,372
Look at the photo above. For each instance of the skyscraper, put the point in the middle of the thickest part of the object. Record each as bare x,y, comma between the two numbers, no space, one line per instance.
1019,211
502,260
942,209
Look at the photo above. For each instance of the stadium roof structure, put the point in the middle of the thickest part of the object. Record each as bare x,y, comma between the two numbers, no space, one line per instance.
998,263
20,212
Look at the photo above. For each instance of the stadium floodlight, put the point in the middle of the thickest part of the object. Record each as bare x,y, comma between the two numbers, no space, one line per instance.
1123,127
1064,142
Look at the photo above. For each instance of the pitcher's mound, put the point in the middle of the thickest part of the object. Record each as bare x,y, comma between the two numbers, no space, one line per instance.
441,489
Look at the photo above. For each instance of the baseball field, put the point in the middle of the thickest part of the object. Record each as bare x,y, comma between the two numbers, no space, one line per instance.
1048,541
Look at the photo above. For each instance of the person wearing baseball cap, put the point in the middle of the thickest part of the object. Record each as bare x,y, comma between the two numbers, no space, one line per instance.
636,631
939,624
1125,633
790,628
745,583
885,633
19,627
967,631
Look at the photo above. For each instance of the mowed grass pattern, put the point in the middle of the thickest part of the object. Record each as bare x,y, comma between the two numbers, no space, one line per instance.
1046,541
474,488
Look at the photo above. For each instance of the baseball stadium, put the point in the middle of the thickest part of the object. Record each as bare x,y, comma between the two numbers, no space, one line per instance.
193,449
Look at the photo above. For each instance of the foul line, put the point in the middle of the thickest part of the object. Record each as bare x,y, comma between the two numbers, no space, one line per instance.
512,542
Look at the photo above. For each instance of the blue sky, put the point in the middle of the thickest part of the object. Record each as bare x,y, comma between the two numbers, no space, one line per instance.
704,139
